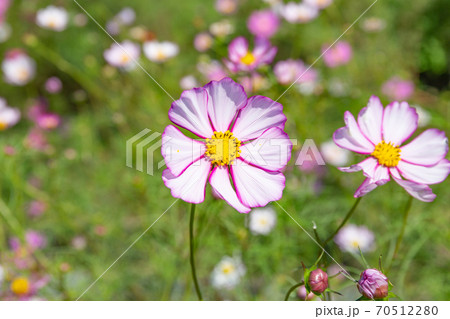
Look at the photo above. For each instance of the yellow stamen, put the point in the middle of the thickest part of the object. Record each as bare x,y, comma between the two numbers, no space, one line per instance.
355,244
228,269
3,126
387,154
248,59
222,148
20,286
124,59
160,55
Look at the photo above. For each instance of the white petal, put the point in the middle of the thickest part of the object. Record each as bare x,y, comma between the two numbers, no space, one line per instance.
260,114
425,175
426,149
190,185
420,191
256,187
226,97
366,187
399,122
368,166
179,151
191,112
220,182
350,137
370,120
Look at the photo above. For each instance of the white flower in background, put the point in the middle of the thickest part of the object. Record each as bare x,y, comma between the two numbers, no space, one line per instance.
424,116
321,4
188,82
9,116
333,154
262,220
2,275
5,31
160,51
18,68
123,55
53,18
221,28
227,273
373,24
299,12
351,237
126,16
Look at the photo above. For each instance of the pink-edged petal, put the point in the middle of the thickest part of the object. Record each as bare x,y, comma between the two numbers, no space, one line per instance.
366,187
380,177
420,191
190,185
370,120
271,151
350,137
425,174
226,98
260,114
427,149
395,173
399,122
368,166
237,49
256,187
264,52
191,112
179,151
220,182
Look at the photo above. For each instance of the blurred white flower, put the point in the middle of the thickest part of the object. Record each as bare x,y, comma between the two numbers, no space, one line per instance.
299,12
9,116
5,31
227,273
351,237
424,116
188,82
333,154
221,28
262,220
373,24
123,55
160,51
18,67
53,18
126,16
321,4
2,275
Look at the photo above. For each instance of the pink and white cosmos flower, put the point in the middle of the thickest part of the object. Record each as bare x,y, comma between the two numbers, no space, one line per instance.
242,59
241,140
379,133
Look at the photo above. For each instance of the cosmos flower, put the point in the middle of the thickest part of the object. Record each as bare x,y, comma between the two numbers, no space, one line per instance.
398,89
299,12
9,116
213,70
4,6
263,23
123,55
339,54
228,273
126,16
18,67
226,6
188,82
160,51
36,208
203,41
53,18
242,59
221,28
373,284
53,85
321,4
290,71
351,238
379,134
35,240
262,220
26,288
333,154
240,137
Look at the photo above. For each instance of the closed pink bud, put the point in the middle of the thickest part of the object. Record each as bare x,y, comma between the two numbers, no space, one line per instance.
373,284
318,281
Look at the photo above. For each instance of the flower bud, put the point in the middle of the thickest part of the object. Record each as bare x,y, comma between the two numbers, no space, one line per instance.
318,281
303,295
373,284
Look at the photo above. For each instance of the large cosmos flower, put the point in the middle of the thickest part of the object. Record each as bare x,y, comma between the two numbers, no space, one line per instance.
379,134
240,137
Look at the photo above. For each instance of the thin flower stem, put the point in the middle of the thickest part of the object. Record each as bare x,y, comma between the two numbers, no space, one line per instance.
191,252
286,298
347,217
402,231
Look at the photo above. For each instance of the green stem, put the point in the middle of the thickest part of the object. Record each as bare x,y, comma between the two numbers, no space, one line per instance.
286,298
191,252
402,231
347,217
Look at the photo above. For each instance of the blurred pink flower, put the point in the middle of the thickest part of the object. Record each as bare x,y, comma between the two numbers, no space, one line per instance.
203,41
53,85
9,150
242,59
339,54
18,68
35,240
254,82
36,140
4,5
213,70
379,134
226,6
48,121
301,294
123,55
398,89
26,288
36,208
263,23
289,71
299,12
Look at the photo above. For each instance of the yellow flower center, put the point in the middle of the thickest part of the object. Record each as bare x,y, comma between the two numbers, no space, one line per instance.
124,58
222,148
387,154
355,243
228,269
20,286
248,59
160,55
3,126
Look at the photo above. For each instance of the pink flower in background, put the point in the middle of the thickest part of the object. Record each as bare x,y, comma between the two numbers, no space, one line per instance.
213,70
123,55
352,238
242,59
4,6
26,288
35,240
321,4
379,134
398,89
263,23
203,41
340,54
289,71
18,68
53,85
230,127
299,12
36,208
226,6
302,294
36,140
40,115
254,82
9,116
